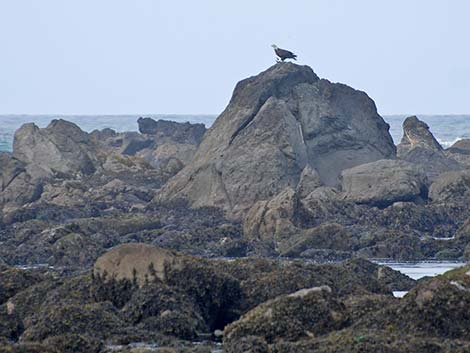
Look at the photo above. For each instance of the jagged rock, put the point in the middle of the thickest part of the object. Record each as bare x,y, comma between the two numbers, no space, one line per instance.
326,236
169,156
419,146
306,313
271,221
309,181
325,204
126,143
384,182
416,133
61,148
17,186
164,131
277,123
167,146
136,262
451,186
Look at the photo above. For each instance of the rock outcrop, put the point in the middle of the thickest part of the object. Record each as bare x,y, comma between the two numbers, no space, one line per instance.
275,125
451,186
384,182
416,133
164,131
62,148
17,186
136,262
419,146
460,151
166,145
306,313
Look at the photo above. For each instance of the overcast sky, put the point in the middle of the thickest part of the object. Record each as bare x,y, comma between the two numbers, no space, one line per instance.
155,56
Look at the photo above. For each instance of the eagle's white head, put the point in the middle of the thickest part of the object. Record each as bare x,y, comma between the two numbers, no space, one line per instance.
274,46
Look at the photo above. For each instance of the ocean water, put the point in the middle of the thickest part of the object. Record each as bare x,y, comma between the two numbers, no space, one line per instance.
446,128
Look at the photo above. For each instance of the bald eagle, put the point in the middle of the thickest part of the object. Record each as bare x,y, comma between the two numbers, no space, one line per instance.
284,54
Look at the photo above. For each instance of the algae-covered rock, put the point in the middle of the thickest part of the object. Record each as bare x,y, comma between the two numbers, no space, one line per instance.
306,313
158,307
95,320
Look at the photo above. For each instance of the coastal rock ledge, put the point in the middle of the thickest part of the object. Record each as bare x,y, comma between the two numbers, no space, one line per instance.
276,124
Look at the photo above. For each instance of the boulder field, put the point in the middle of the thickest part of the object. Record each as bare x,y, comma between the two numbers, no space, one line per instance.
252,234
251,304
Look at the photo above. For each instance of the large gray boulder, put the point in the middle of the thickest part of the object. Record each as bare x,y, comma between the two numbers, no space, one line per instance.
276,124
419,146
451,187
460,151
61,148
384,182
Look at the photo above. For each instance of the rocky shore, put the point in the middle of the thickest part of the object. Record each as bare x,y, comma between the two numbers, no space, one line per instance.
154,240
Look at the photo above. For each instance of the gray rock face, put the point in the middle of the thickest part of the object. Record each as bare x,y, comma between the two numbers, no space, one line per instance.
166,131
460,151
451,186
61,148
165,145
276,124
419,146
384,182
309,181
17,187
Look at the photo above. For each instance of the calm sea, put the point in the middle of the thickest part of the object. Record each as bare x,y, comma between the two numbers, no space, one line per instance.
447,128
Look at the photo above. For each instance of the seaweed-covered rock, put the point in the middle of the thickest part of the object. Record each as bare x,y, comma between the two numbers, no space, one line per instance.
158,307
13,280
306,313
439,306
73,343
326,236
371,341
11,326
95,320
216,293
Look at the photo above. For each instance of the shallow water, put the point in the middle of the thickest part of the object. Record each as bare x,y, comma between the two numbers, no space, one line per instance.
417,270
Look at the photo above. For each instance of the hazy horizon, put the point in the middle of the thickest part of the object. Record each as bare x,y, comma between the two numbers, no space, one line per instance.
116,57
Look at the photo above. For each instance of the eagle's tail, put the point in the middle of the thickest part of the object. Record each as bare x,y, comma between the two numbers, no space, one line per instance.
294,57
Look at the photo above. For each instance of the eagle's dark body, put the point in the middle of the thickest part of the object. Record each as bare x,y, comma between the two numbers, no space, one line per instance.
285,54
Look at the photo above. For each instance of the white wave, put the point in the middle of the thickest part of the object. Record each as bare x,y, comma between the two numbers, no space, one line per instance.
446,143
